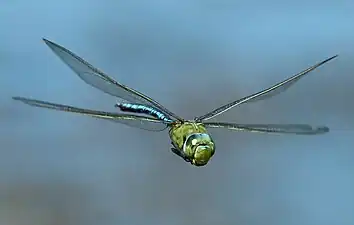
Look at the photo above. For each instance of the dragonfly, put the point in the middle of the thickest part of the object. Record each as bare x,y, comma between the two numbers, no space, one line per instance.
190,139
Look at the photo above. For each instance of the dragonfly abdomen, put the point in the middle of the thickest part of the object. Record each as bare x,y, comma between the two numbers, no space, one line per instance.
139,108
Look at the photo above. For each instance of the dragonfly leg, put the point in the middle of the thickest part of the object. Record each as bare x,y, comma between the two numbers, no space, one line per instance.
180,154
174,145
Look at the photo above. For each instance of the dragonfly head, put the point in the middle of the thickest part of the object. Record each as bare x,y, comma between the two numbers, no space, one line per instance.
199,147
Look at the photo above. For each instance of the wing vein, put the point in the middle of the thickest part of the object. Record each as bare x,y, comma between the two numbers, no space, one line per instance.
98,79
266,93
301,129
141,122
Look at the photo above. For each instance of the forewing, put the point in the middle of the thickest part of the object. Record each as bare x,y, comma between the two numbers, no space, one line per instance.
141,122
301,129
98,79
264,94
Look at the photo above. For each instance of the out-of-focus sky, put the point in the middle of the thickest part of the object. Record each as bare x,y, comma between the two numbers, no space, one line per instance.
192,56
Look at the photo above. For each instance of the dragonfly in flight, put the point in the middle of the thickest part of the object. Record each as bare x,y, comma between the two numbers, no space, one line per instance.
190,139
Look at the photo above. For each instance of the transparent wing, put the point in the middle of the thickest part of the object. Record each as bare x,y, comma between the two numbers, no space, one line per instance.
264,94
101,81
302,129
141,122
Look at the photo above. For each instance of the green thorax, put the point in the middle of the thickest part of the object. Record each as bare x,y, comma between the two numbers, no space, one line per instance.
179,132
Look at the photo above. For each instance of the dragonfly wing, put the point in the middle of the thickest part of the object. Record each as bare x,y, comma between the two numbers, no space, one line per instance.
302,129
264,94
98,79
141,122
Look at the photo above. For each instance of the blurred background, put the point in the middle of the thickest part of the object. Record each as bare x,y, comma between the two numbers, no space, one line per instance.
192,56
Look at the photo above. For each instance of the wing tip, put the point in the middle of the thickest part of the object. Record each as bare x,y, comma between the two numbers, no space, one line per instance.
330,58
17,98
321,130
23,100
51,44
46,41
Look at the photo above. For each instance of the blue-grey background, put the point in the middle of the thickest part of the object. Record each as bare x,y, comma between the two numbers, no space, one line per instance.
192,56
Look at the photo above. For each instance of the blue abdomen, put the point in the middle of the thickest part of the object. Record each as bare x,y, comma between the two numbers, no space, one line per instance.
144,109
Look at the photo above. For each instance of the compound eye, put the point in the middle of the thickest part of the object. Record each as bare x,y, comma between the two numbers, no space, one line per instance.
194,141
